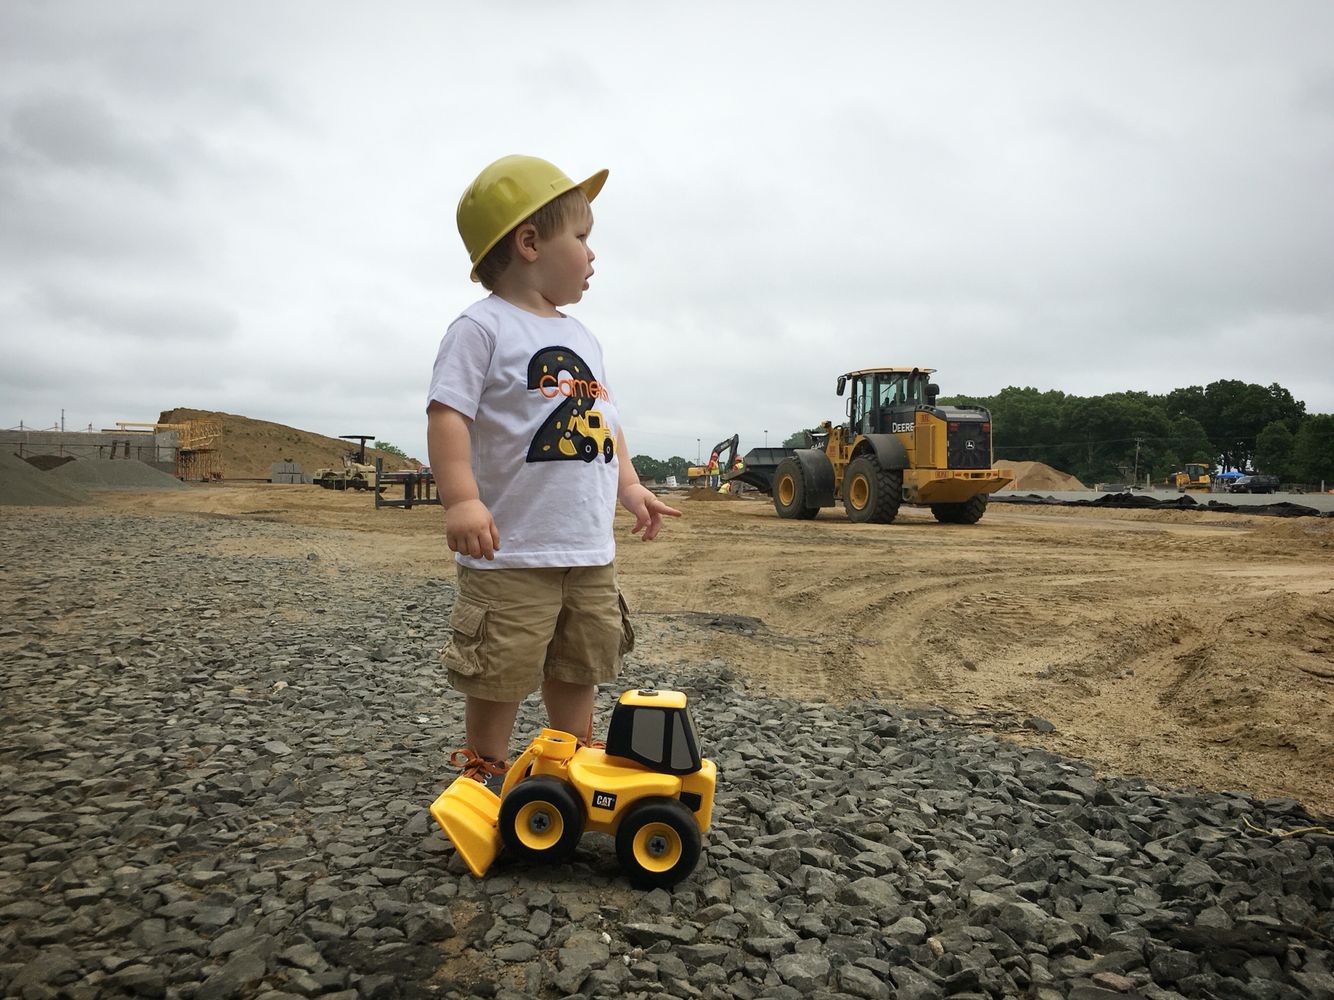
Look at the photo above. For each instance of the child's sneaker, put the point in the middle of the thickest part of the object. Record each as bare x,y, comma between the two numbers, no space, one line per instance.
490,773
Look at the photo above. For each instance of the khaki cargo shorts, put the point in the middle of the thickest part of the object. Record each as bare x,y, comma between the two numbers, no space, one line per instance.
514,628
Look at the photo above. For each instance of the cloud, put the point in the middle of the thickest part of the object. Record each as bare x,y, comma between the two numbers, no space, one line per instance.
75,132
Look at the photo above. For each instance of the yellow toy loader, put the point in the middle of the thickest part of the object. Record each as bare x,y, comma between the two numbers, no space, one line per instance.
649,788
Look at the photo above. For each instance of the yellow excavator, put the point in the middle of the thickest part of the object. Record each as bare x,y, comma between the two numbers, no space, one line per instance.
649,788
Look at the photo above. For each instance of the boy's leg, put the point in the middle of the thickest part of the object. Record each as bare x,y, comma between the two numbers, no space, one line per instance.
501,624
592,635
488,725
569,706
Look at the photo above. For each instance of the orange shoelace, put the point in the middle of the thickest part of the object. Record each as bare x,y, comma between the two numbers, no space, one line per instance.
475,766
588,740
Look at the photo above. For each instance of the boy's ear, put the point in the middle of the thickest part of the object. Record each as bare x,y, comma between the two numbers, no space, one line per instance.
525,241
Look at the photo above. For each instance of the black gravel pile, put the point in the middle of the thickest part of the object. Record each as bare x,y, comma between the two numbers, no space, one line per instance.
214,773
1138,501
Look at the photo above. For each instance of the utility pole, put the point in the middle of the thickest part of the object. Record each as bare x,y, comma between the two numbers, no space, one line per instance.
699,454
62,420
766,439
1135,478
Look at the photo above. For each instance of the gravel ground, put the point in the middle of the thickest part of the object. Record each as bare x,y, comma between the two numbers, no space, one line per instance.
216,754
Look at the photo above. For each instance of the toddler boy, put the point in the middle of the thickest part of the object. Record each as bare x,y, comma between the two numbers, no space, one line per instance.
530,458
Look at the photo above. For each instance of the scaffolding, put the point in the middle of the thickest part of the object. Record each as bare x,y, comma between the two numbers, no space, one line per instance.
196,446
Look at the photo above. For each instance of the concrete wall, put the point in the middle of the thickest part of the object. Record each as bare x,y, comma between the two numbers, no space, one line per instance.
157,450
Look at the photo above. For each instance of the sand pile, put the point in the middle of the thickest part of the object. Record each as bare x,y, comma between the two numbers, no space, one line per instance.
114,474
1037,476
21,485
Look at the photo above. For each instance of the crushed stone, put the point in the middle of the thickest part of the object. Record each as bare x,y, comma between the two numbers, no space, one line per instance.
115,474
22,485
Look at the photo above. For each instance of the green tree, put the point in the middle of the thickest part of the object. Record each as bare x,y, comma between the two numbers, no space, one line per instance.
800,439
390,449
650,468
1236,412
1313,450
677,466
1273,450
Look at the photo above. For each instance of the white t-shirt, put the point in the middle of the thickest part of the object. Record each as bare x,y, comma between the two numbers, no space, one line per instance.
543,432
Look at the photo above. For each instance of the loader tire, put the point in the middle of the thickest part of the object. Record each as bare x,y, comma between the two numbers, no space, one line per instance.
541,820
792,492
871,495
658,843
968,512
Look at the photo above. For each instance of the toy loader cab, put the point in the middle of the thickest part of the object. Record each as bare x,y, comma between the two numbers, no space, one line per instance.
650,789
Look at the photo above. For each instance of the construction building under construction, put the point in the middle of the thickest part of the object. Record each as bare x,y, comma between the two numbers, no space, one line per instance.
187,450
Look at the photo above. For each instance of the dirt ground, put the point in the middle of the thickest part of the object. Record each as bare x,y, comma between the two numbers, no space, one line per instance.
1191,648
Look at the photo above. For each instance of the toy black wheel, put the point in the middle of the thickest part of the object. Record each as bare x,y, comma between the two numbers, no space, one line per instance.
588,449
608,449
658,843
541,819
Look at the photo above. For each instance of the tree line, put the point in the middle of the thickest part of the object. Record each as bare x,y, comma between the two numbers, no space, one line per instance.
1128,436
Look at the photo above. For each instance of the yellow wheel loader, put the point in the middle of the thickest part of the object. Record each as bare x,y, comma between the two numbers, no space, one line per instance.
897,447
649,788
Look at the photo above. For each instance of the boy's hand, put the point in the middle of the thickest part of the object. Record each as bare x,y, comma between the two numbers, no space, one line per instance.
471,530
647,509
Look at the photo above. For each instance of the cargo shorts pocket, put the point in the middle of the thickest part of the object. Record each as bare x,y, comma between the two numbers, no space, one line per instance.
627,630
463,653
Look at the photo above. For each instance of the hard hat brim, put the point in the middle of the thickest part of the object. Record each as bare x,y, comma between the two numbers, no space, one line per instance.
590,187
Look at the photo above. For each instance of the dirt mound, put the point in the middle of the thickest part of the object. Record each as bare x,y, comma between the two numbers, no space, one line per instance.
21,485
114,474
705,493
249,447
1037,476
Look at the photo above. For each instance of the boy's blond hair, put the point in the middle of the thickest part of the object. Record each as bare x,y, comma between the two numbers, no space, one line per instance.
548,220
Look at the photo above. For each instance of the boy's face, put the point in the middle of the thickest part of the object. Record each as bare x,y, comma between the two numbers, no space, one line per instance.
565,261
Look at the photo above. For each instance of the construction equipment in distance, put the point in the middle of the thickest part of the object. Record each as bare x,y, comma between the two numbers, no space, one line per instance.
717,464
1197,478
355,473
650,789
897,447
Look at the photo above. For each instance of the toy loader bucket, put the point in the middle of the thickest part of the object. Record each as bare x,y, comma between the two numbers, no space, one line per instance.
467,811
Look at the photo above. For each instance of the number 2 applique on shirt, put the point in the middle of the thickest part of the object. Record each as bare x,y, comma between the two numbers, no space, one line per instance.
575,428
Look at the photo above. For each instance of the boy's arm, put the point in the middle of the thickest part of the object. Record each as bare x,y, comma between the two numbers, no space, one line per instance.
637,498
469,527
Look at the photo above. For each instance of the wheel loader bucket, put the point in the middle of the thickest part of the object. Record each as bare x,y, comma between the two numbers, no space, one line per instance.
467,811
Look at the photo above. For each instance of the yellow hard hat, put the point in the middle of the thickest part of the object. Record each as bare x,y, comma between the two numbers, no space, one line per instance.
506,193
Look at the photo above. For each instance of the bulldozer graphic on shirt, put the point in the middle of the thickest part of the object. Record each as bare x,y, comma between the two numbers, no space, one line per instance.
585,435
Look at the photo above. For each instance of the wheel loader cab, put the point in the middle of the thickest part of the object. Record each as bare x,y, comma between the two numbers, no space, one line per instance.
877,397
654,728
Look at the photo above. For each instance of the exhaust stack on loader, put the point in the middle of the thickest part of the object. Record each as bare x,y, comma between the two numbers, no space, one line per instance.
649,788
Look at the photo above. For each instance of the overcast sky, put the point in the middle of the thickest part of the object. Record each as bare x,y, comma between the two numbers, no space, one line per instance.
249,207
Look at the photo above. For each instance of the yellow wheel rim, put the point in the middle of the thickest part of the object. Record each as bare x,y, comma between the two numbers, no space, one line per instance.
859,493
539,826
787,490
657,847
